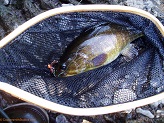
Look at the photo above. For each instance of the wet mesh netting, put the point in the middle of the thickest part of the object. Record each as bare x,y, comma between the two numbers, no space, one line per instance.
23,62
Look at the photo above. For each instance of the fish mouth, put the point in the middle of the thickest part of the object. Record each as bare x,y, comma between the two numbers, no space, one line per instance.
51,68
59,73
54,69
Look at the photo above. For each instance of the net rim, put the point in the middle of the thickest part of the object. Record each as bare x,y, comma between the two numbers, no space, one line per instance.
28,97
79,8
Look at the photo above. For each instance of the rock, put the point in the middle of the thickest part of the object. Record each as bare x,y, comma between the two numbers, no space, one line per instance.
65,5
6,2
31,9
160,120
2,32
159,113
145,112
154,7
10,18
115,118
103,1
108,118
18,11
155,104
49,4
86,121
61,119
128,111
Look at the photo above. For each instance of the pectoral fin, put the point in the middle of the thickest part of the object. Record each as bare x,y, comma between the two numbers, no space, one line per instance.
99,60
129,52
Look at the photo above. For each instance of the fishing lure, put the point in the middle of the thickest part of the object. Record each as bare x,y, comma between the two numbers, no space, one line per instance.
94,48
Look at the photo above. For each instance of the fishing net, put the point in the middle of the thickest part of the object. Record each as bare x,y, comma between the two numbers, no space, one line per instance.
23,62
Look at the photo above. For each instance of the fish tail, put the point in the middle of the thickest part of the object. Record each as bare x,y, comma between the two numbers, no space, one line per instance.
138,35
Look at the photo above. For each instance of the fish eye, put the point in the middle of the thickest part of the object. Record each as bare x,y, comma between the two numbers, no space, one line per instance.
63,67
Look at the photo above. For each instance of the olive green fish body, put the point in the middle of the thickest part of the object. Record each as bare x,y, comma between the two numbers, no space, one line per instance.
96,50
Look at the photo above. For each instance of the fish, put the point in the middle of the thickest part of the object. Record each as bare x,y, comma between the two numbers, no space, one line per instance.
93,48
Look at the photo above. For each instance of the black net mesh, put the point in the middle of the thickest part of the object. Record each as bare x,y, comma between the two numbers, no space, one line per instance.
23,62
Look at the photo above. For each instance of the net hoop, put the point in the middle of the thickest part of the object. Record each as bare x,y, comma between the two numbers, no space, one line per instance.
28,97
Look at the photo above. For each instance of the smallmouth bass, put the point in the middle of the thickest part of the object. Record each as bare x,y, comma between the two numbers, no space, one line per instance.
94,48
